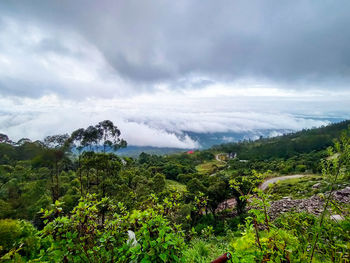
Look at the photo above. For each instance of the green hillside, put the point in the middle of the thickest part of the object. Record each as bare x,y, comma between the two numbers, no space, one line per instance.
287,146
61,202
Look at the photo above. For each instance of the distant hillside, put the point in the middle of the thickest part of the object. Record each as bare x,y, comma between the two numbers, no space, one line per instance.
135,151
209,139
288,145
206,140
246,144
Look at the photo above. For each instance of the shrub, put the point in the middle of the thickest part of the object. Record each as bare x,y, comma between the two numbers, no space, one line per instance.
10,231
18,236
96,231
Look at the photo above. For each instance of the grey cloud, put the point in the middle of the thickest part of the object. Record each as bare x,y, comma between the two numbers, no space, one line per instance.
155,41
53,45
137,72
25,88
95,54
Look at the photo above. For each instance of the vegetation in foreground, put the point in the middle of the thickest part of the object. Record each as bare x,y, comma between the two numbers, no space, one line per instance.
69,199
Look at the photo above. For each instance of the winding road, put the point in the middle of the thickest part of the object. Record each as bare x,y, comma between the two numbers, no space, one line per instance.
264,185
267,182
231,203
274,180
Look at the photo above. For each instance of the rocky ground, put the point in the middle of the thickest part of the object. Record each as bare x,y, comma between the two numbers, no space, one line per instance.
313,205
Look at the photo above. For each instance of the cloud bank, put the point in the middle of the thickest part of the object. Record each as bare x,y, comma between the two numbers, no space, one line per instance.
161,68
161,119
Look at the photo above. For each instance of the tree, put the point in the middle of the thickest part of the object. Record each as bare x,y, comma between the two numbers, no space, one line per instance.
56,145
194,186
158,182
109,135
23,141
100,170
218,191
243,186
105,134
4,139
76,141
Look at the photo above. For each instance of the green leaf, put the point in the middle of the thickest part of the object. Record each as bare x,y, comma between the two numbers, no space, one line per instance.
163,256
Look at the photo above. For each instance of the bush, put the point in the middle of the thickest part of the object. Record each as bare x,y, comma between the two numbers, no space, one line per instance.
5,209
96,231
10,231
300,168
18,235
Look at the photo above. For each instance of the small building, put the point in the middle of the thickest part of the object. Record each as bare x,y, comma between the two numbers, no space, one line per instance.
232,155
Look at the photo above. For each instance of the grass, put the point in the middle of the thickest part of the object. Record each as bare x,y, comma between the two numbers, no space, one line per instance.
174,184
298,188
209,167
206,250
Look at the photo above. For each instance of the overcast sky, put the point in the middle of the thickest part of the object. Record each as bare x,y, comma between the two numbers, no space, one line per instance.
158,68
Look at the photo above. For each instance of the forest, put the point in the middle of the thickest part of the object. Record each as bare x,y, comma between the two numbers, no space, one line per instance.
71,198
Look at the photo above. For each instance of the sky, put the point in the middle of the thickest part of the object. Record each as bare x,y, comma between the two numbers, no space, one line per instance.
159,68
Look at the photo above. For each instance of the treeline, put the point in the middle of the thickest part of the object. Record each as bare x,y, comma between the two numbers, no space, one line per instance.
24,149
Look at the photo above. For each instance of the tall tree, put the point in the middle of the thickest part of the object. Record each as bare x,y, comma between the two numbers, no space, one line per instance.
109,135
76,141
5,139
57,146
104,134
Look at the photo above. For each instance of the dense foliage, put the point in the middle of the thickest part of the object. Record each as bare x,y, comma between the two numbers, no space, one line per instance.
287,146
70,198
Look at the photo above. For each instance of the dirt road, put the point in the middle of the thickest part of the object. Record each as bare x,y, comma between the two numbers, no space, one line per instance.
274,180
231,203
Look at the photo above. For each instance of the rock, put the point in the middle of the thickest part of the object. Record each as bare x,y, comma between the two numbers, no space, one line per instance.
316,186
227,204
313,205
337,217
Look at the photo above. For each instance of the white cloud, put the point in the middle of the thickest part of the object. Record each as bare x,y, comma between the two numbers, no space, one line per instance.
159,119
